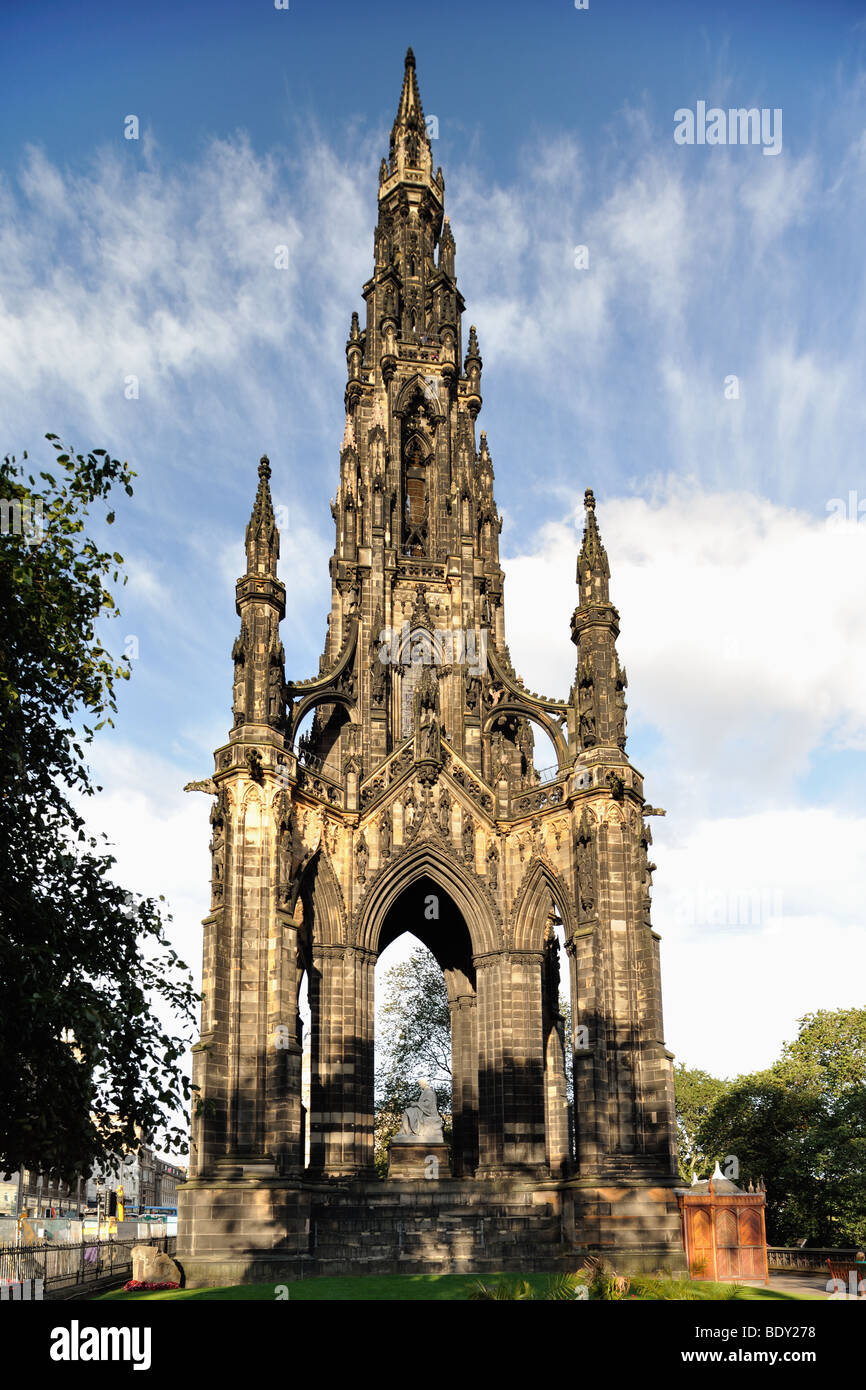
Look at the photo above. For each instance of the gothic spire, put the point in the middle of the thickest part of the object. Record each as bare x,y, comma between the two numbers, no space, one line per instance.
263,538
598,694
472,352
260,600
593,570
447,249
410,143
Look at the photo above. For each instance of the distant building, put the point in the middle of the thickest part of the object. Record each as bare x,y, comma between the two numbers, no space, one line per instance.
146,1180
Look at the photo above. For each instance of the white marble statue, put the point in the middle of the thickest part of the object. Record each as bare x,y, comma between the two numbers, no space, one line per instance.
421,1121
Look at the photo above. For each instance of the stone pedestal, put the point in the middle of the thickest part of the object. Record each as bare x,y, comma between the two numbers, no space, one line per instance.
415,1159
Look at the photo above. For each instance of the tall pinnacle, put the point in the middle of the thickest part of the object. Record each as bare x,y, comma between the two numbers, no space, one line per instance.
593,570
263,538
597,716
409,132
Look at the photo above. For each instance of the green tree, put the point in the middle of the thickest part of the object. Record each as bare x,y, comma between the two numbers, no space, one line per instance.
86,1067
802,1125
413,1038
696,1094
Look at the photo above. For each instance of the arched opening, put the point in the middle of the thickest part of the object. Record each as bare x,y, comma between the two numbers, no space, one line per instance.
416,502
317,739
304,1036
412,1038
304,739
426,1018
519,742
558,1060
544,761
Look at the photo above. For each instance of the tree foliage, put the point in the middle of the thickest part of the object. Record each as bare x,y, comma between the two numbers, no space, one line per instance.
801,1124
696,1094
85,1066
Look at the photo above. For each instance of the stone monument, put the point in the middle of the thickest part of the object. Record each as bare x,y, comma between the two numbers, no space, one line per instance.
401,774
419,1149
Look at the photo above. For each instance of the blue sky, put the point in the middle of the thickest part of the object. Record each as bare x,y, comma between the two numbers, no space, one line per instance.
741,604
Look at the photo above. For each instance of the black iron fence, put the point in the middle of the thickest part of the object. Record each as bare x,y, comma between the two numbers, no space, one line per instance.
65,1267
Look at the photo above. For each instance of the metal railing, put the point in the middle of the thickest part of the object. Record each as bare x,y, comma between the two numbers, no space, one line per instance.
803,1261
67,1266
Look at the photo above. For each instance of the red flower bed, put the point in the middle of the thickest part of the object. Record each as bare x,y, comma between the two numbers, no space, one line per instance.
135,1284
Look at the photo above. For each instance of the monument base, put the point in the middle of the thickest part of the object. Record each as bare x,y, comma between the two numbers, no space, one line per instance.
413,1159
274,1230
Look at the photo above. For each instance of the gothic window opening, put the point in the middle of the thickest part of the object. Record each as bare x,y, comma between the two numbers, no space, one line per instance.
416,499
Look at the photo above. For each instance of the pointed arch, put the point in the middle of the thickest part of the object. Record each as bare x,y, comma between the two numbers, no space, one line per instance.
553,730
540,883
323,697
416,387
426,859
324,908
253,794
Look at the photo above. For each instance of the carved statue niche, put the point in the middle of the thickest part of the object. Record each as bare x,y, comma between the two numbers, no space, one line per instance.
427,724
586,706
499,758
473,692
647,869
284,858
276,686
347,683
295,849
379,656
255,765
585,865
352,598
493,865
239,657
362,855
218,817
445,813
537,836
468,837
409,812
619,705
386,834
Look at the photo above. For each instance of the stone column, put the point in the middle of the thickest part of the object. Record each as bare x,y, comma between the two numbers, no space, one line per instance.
284,1049
341,1090
510,1064
464,1087
591,1129
247,1050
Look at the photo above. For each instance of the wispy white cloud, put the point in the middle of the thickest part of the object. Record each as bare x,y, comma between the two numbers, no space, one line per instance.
741,609
738,625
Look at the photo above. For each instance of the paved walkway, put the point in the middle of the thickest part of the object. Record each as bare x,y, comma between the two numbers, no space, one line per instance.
812,1285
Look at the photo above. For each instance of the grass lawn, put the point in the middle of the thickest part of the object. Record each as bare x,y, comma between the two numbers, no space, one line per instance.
394,1287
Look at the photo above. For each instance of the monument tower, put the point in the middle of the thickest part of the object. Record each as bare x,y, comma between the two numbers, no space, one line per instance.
412,803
